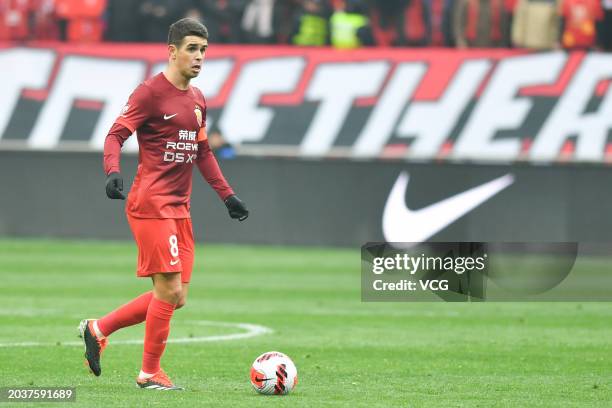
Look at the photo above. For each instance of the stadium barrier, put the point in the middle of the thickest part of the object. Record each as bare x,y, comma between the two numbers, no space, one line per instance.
323,202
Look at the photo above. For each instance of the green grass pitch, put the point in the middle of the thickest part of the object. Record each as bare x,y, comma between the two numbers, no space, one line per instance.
348,353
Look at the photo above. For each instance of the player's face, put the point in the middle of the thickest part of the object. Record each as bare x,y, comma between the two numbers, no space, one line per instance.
190,56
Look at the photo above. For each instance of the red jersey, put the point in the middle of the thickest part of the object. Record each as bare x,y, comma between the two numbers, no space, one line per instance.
580,18
170,125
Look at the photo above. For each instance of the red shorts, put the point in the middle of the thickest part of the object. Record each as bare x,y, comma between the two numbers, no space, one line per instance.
164,245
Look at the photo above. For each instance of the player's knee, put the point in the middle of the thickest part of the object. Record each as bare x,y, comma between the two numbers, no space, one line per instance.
172,295
181,303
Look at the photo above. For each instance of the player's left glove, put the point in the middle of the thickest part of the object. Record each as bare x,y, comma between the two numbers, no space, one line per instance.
236,208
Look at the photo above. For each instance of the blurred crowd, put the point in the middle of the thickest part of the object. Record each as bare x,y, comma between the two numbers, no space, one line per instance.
537,24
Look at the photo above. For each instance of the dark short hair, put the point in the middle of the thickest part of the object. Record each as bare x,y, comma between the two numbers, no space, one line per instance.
183,28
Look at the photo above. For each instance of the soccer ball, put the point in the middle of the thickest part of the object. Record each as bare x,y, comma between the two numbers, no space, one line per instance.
273,373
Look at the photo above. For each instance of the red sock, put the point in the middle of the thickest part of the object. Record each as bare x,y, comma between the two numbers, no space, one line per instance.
156,332
129,314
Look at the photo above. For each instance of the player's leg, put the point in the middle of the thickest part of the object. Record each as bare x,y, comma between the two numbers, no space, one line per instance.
157,247
183,299
94,332
167,291
133,312
186,255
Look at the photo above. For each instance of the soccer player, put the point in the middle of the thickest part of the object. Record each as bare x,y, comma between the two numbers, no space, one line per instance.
170,117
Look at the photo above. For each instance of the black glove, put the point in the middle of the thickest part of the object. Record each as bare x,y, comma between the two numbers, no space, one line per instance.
236,208
114,186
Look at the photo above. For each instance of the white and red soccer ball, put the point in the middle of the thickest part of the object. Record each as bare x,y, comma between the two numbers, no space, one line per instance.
273,373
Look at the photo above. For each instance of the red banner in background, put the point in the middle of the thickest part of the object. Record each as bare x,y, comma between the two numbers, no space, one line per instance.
425,104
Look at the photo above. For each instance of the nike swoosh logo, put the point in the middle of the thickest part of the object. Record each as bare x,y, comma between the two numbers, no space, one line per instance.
174,262
401,224
166,117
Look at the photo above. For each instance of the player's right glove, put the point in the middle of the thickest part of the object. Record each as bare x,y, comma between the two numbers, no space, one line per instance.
236,208
114,186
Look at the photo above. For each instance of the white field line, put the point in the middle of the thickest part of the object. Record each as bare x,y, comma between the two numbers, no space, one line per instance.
249,330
